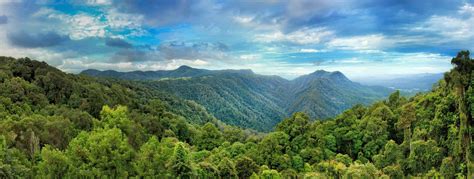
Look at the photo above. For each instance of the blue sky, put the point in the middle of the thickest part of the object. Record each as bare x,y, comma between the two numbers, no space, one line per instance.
362,38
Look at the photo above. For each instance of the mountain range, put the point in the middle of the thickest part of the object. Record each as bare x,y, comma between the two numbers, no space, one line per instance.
407,83
249,100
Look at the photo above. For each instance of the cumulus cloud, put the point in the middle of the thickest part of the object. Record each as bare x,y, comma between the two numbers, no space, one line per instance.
268,36
453,27
366,42
35,40
310,50
301,36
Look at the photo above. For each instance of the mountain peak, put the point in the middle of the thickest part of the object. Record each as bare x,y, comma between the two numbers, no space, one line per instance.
184,67
338,76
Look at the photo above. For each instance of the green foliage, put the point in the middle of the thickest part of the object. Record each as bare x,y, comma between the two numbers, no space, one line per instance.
57,125
180,163
103,152
226,169
270,174
210,139
249,100
13,164
151,159
54,163
245,167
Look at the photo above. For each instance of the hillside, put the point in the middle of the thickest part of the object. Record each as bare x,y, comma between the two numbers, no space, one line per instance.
38,84
45,135
246,99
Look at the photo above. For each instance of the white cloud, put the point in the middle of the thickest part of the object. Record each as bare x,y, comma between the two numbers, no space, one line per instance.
455,27
84,25
249,57
301,36
367,42
98,2
310,50
77,65
467,9
244,20
119,20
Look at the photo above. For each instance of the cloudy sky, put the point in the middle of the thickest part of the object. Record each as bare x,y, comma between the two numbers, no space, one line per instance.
361,38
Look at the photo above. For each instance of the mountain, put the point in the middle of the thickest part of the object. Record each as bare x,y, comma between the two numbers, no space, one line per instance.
323,94
182,71
37,83
47,131
409,83
246,99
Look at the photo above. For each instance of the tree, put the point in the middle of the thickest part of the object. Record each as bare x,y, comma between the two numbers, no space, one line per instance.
245,167
227,168
150,160
118,118
423,156
13,163
294,126
448,169
54,163
357,170
180,163
210,137
103,152
272,148
393,171
390,155
207,170
270,174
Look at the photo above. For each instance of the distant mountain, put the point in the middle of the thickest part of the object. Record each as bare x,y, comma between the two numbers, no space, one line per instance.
182,71
246,99
410,83
324,94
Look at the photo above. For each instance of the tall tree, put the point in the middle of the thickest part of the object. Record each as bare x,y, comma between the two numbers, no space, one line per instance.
180,163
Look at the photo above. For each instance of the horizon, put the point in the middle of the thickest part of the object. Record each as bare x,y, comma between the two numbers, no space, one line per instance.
288,39
360,80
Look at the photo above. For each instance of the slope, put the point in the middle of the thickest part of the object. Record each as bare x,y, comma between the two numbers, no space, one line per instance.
246,99
36,83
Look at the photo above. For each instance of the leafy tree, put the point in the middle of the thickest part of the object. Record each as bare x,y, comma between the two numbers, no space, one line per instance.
357,170
448,169
273,147
210,137
151,159
391,155
423,156
270,174
226,169
104,152
394,171
13,164
54,163
245,167
207,170
180,163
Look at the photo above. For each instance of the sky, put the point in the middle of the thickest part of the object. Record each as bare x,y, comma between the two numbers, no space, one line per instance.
364,39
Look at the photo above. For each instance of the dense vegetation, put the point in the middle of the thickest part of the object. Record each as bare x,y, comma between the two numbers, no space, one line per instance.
426,135
249,100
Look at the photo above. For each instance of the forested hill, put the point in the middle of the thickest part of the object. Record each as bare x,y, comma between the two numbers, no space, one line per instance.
182,71
46,133
39,85
246,99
